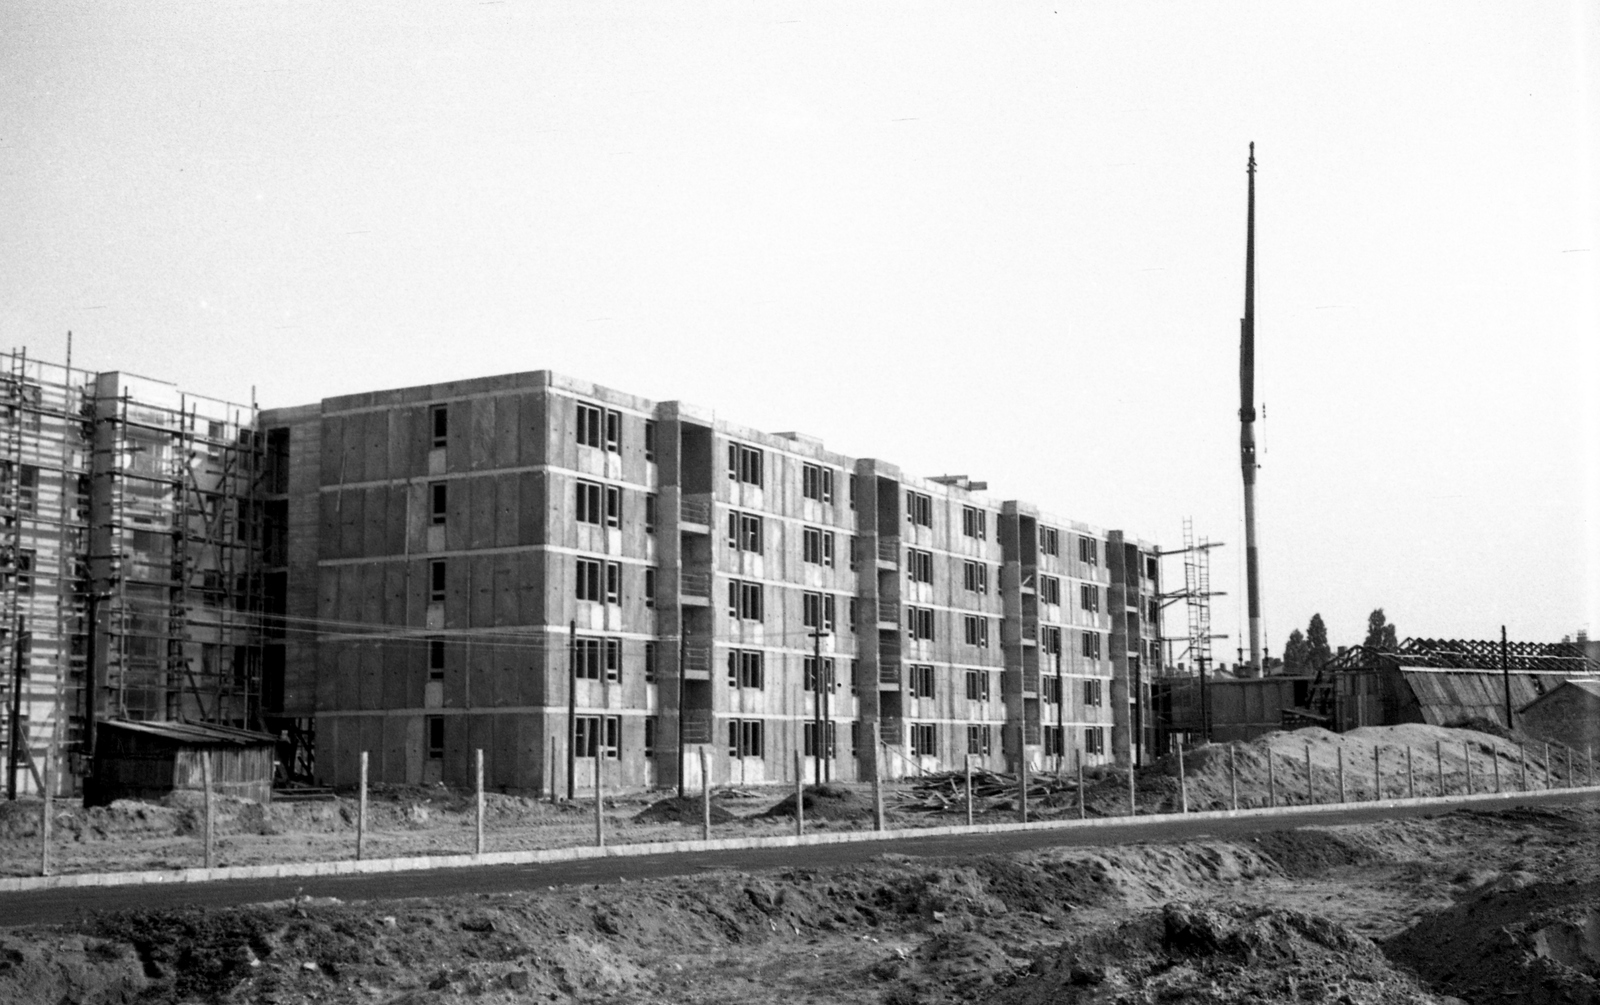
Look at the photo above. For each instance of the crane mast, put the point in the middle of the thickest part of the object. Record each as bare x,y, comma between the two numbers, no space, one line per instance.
1247,419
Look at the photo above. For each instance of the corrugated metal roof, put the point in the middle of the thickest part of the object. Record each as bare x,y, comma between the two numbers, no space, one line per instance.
200,733
1445,697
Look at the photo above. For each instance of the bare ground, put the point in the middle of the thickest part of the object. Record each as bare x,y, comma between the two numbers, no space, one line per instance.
1484,906
414,820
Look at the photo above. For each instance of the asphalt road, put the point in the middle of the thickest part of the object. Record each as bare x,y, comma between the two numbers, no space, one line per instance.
65,905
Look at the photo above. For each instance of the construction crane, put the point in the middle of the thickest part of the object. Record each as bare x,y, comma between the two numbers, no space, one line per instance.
1247,419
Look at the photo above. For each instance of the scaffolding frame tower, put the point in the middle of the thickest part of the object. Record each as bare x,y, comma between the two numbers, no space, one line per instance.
130,564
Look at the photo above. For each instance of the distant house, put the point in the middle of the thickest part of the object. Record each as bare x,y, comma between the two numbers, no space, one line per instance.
150,760
1568,715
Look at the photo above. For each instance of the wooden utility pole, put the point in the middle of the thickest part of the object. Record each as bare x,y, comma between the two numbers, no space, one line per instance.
19,743
816,706
1505,675
683,651
572,708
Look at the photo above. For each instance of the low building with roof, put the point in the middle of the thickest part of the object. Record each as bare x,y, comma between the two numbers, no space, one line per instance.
1568,715
151,760
1441,682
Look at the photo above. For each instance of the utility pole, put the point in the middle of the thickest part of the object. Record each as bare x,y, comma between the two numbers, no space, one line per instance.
19,747
572,708
1138,711
1247,419
1505,675
1061,705
819,740
682,652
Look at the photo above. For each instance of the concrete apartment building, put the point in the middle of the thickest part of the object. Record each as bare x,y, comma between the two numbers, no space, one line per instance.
505,562
502,563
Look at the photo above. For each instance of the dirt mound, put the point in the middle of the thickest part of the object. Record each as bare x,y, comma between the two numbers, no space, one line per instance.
827,802
1482,725
1374,764
683,810
1215,953
1512,937
1311,851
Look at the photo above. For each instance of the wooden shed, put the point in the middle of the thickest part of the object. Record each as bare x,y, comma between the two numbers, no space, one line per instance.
1568,715
149,760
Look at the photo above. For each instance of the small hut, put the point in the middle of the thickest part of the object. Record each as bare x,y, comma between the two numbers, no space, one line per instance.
1568,715
149,760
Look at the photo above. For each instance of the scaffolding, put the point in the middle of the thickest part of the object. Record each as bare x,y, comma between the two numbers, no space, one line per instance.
1197,594
130,528
176,556
43,510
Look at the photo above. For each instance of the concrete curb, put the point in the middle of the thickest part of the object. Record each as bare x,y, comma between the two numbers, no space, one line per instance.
352,867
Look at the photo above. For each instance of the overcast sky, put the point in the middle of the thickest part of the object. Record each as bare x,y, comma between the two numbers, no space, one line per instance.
996,239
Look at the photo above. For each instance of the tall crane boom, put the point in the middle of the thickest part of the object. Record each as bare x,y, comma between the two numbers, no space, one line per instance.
1247,419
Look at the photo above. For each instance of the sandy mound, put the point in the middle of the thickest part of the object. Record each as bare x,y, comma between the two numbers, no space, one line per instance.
683,810
827,802
1209,777
1512,939
1216,953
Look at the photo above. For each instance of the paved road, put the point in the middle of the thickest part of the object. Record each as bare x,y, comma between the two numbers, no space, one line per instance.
64,905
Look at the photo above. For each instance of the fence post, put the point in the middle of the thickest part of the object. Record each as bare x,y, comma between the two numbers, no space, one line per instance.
1497,769
1411,776
799,793
1466,757
705,797
969,790
1377,773
1233,778
1272,783
1569,765
361,811
1547,773
1133,790
1438,763
205,780
1022,773
44,820
599,799
553,765
1588,772
1082,807
1340,752
1183,783
478,776
877,780
1522,761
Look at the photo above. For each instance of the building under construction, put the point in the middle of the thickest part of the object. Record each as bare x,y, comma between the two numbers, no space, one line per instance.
555,572
572,578
132,562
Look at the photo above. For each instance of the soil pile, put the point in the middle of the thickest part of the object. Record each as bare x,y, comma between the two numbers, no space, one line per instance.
1512,938
683,810
1216,952
1285,916
1375,763
827,802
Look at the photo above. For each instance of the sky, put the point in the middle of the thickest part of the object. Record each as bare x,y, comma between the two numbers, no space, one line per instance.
999,240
